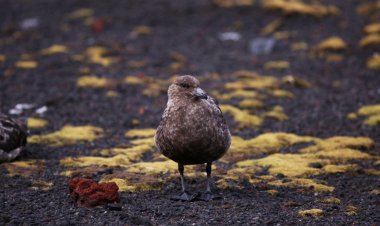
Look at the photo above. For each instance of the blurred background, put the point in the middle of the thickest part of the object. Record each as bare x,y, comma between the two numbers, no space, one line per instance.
91,79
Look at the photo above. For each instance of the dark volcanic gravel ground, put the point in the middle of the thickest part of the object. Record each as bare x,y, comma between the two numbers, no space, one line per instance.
190,28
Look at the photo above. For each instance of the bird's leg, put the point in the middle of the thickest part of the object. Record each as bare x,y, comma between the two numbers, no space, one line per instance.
181,169
208,195
185,195
208,172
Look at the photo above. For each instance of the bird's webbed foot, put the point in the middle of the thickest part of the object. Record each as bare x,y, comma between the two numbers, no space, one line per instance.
185,196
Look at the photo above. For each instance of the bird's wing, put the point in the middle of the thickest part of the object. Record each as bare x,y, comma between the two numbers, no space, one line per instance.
159,136
12,135
215,104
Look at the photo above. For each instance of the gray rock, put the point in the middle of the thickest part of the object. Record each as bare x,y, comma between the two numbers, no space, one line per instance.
262,46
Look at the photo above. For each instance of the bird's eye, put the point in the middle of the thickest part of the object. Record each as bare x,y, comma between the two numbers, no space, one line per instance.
184,85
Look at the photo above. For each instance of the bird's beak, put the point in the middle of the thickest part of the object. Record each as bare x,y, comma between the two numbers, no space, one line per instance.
199,93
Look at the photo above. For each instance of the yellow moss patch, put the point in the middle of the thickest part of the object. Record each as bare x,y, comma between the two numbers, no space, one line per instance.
154,167
144,141
244,118
178,57
154,86
24,168
136,63
112,93
271,191
368,7
80,13
277,65
175,66
291,165
373,172
243,172
327,152
303,182
277,113
117,160
227,183
54,49
369,110
339,142
342,154
42,185
145,184
148,132
266,177
86,172
68,135
26,56
251,103
271,27
334,58
26,64
252,81
372,28
2,57
371,39
245,74
373,63
133,80
299,7
332,200
282,93
232,3
142,30
131,154
351,210
332,43
372,120
279,35
153,90
299,46
375,192
96,55
238,93
345,141
292,80
314,213
34,123
339,168
352,115
335,149
93,82
265,143
84,70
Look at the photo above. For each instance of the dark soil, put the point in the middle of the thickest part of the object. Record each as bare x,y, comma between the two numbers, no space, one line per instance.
190,28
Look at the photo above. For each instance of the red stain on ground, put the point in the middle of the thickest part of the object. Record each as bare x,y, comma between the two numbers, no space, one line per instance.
98,25
141,111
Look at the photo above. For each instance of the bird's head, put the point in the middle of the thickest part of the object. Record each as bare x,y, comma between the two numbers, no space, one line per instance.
186,86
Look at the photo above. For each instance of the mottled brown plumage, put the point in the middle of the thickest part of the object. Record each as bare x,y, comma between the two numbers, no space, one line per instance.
13,136
192,128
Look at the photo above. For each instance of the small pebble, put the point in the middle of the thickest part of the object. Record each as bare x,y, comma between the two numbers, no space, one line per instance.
113,206
316,165
29,23
262,46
